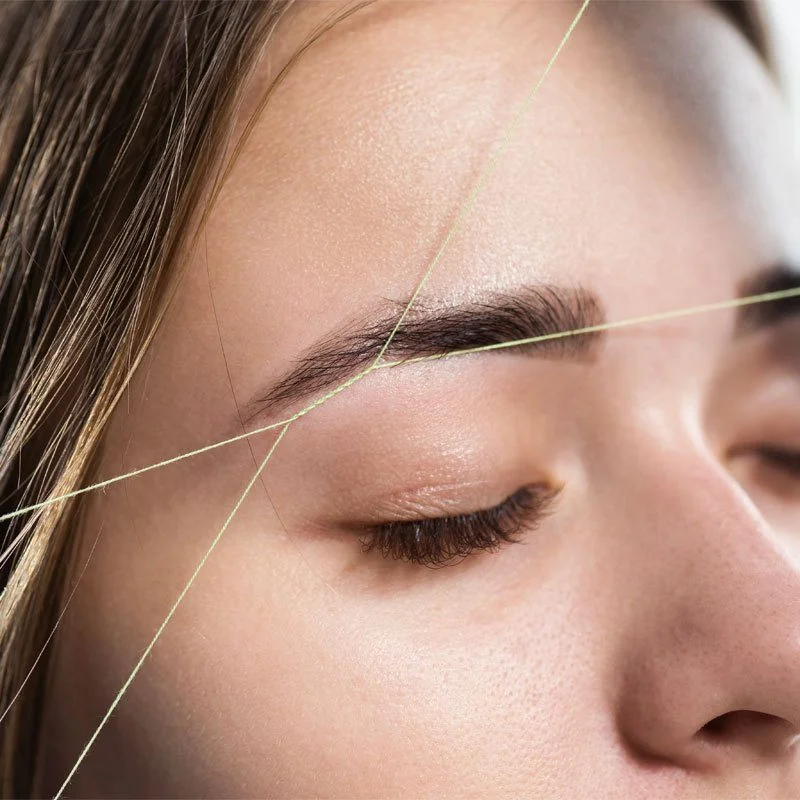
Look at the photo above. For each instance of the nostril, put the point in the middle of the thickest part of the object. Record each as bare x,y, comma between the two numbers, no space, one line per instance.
764,734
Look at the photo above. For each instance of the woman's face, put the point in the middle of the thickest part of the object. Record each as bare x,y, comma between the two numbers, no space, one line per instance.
641,638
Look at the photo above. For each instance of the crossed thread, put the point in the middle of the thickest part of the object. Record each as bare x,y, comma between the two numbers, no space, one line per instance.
284,425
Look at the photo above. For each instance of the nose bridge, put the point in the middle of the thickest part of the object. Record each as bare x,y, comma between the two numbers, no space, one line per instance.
707,545
713,608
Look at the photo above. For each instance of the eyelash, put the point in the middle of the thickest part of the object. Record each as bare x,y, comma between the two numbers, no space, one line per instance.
443,541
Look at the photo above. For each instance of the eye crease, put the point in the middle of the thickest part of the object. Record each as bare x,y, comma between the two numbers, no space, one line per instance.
445,541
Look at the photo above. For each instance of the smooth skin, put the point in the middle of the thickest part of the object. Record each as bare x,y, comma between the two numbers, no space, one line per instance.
644,639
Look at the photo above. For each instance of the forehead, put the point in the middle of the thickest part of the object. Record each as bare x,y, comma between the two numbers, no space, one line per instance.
655,141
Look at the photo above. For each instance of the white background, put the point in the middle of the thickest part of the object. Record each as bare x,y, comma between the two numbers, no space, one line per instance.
784,16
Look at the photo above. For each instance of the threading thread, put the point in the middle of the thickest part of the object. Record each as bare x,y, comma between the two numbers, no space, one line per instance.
286,426
722,305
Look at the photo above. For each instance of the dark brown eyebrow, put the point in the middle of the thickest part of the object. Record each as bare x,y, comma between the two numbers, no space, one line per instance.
427,330
756,317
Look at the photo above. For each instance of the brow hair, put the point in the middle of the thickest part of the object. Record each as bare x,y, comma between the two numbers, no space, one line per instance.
430,329
780,278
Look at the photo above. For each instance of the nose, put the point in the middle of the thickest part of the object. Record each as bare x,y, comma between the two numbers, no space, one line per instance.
710,670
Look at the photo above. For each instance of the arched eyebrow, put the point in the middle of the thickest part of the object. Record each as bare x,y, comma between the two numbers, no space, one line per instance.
525,313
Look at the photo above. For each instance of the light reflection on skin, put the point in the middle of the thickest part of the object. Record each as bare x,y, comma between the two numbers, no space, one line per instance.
658,596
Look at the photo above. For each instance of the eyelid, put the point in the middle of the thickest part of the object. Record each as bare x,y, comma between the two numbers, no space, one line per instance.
440,541
436,500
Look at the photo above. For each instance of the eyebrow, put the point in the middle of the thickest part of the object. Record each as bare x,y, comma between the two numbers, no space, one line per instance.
760,316
428,330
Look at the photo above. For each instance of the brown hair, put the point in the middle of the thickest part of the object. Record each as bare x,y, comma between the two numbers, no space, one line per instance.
115,117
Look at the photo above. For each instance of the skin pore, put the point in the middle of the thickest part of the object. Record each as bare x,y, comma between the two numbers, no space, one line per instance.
642,638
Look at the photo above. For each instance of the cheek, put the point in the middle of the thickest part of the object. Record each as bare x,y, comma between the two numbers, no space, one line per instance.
385,681
270,680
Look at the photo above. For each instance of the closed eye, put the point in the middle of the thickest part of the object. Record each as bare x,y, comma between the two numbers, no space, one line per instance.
443,541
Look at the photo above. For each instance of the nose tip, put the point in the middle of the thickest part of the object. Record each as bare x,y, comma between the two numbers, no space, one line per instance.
711,665
686,719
